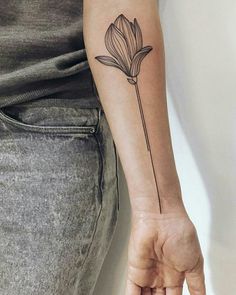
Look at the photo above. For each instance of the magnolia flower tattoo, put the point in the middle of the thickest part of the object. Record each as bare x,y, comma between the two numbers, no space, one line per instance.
124,41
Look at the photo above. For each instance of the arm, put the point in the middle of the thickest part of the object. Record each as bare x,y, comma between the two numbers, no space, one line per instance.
120,97
127,61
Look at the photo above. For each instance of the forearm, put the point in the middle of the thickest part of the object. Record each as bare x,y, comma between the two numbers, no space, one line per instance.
136,111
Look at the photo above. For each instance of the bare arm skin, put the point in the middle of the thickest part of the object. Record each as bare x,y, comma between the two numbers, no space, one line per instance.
125,50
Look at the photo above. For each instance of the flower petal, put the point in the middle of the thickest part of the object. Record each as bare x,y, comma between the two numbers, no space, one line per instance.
138,35
125,26
133,28
136,62
109,61
117,46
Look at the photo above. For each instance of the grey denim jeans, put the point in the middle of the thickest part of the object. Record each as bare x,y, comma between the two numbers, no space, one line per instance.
59,197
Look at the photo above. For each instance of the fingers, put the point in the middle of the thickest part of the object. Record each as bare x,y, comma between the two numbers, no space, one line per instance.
196,284
132,289
196,280
158,291
146,291
174,291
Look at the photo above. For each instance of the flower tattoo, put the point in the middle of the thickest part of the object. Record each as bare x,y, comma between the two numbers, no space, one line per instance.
124,41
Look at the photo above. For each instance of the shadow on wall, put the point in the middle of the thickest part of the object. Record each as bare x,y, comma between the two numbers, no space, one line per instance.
200,45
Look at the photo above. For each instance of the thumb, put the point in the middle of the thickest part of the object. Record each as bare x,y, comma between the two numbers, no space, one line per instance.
196,280
132,288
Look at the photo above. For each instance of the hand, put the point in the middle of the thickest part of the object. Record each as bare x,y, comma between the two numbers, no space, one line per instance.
164,250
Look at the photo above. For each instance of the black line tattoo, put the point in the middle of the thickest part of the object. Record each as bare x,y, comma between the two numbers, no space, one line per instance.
124,42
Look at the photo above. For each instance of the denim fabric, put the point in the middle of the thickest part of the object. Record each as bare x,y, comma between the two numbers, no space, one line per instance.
59,197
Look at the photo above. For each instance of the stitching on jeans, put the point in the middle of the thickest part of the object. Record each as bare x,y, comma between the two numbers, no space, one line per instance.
85,130
101,193
101,203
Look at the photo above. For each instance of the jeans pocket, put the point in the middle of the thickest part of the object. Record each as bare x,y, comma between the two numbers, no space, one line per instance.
86,121
51,191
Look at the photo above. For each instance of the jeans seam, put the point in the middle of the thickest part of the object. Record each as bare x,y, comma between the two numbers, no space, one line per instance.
101,179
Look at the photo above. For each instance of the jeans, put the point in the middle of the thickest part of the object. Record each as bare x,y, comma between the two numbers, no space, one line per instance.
59,197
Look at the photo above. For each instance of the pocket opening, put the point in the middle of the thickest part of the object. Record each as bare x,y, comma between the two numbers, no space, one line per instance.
62,129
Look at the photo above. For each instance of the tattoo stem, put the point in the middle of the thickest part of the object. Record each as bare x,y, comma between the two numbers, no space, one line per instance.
147,138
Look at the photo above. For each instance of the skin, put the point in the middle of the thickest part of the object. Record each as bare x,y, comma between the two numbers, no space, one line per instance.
164,249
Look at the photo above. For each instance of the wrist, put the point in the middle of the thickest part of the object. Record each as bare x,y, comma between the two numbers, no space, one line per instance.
147,200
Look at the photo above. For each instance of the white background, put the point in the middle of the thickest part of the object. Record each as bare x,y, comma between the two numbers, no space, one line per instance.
200,46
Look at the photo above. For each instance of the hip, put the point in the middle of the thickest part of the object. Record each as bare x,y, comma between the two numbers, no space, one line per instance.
58,176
